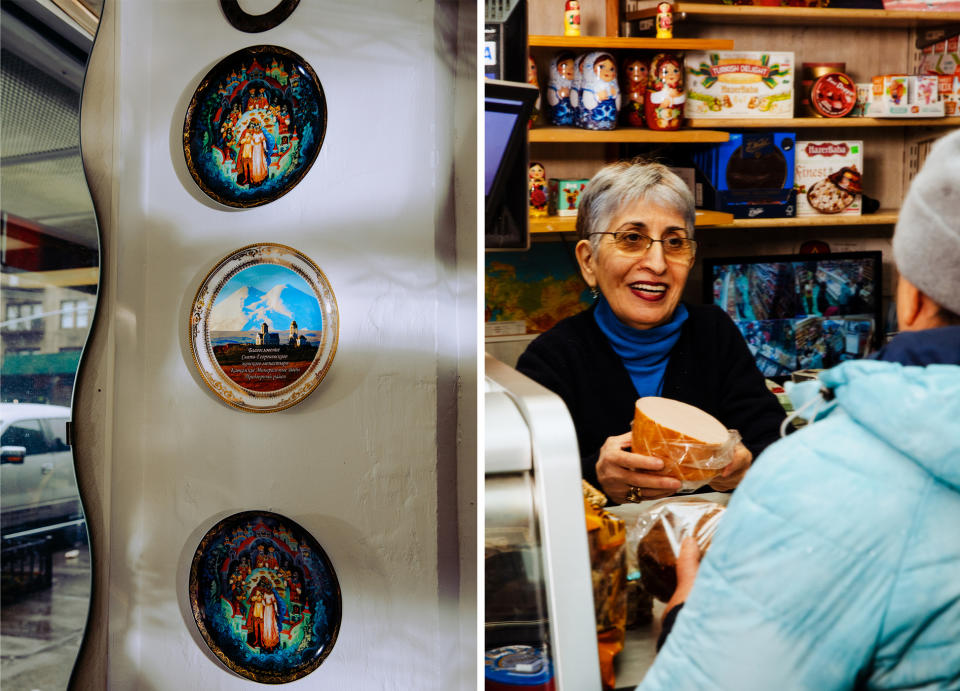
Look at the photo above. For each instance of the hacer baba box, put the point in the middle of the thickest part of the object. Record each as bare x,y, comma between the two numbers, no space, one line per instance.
828,177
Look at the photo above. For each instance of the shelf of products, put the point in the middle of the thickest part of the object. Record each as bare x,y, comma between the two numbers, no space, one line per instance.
800,123
717,219
809,16
568,224
617,43
881,218
624,135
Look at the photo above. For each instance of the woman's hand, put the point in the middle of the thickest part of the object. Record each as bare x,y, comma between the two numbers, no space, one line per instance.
733,473
618,470
688,563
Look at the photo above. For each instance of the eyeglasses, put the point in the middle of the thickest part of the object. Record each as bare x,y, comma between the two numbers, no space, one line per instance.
636,244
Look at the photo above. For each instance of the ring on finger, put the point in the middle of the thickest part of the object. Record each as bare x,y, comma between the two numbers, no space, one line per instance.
634,494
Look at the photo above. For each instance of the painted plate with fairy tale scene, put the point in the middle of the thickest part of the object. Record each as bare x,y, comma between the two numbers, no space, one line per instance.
265,597
254,126
264,327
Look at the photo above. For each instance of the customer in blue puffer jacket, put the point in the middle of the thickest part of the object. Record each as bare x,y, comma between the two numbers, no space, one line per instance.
837,563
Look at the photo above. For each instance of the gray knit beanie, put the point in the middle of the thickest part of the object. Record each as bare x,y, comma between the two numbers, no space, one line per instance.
926,243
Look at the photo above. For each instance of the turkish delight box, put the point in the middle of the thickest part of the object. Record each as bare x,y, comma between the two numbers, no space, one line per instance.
739,84
828,177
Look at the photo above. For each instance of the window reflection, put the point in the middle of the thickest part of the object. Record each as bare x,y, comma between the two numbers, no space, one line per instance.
49,260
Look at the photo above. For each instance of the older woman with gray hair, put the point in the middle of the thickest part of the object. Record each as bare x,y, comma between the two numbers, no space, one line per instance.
636,249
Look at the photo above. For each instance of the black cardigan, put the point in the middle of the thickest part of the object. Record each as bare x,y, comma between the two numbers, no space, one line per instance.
710,367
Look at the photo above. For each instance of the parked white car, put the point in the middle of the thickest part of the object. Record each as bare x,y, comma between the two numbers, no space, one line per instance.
38,486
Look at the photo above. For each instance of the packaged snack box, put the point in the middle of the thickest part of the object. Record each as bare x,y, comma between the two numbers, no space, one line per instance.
739,84
565,195
828,177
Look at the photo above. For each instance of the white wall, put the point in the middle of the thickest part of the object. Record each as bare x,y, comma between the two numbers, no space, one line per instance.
367,463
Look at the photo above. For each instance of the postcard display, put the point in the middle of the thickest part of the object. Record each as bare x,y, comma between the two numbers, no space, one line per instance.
263,332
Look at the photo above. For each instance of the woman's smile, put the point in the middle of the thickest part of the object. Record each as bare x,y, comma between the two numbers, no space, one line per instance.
649,291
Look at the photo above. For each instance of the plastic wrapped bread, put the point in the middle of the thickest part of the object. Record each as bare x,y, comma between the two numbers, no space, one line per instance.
694,446
660,530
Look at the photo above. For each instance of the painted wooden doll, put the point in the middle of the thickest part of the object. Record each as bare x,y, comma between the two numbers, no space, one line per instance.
532,79
635,71
664,20
665,95
559,89
571,18
600,93
575,88
538,190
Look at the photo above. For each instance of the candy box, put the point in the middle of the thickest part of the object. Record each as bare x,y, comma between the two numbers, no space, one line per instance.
905,96
751,175
565,195
828,177
739,84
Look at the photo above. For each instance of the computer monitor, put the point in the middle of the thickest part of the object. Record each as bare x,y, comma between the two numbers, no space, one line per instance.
507,107
800,311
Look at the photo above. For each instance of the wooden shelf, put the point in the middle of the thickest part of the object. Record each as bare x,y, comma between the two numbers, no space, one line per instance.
799,123
553,224
624,135
568,224
809,16
717,219
881,218
707,218
615,42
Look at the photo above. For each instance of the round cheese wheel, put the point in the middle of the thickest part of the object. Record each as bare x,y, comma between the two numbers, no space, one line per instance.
681,435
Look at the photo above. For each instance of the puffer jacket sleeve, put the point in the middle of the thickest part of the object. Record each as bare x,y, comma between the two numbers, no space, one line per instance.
790,597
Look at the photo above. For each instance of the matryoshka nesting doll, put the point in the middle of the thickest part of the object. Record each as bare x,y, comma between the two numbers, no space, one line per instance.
571,18
600,93
665,96
634,75
538,190
559,88
532,79
575,87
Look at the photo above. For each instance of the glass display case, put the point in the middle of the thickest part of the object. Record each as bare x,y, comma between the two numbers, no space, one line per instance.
539,626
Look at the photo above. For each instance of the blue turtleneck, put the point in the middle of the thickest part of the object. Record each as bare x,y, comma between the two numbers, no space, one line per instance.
644,352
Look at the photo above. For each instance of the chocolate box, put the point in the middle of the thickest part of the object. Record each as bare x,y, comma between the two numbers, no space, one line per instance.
739,84
827,177
751,175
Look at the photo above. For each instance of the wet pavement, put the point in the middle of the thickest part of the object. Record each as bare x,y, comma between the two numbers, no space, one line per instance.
40,634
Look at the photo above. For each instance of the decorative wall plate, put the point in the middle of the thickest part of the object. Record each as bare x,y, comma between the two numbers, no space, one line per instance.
265,597
254,23
264,327
254,126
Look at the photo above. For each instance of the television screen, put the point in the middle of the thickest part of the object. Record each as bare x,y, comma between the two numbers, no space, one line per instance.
796,312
